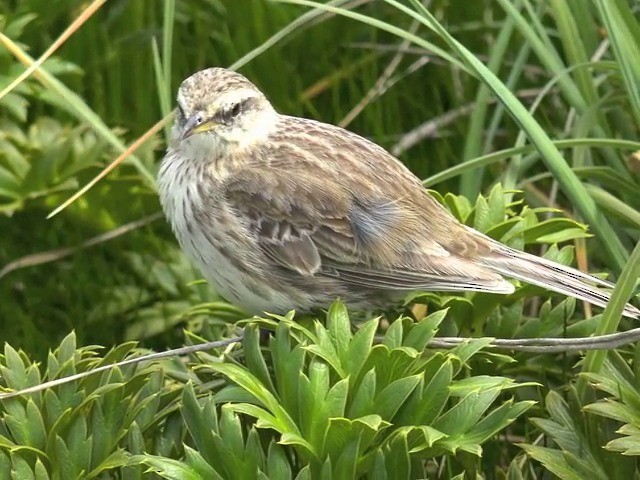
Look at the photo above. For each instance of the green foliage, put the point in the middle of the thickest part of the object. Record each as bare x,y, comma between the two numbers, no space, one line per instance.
349,407
622,403
84,428
521,227
317,401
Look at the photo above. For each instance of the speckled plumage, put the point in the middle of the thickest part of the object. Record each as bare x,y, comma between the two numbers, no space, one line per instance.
283,213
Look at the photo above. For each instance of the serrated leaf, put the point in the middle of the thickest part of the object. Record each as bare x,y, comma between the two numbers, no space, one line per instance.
294,439
231,433
253,449
553,460
287,363
40,471
199,421
466,350
119,458
482,220
625,445
564,236
614,410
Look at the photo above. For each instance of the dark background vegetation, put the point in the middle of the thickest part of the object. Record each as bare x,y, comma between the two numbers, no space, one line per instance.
560,58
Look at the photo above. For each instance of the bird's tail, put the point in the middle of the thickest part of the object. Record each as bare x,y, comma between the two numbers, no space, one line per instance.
553,276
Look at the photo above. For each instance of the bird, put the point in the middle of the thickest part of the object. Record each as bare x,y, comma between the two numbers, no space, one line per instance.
283,213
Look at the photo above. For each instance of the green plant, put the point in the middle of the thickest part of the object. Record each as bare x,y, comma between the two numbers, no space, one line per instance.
81,429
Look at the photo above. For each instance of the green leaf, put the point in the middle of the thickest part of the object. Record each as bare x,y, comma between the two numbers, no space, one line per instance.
556,462
40,471
398,461
466,350
117,459
624,33
21,469
459,206
561,228
280,420
287,364
339,327
345,466
15,373
172,469
336,399
277,462
254,359
426,403
342,431
422,332
628,445
478,383
304,473
200,421
231,433
199,465
363,398
378,470
63,466
326,350
496,421
254,454
360,346
466,413
419,438
615,410
391,398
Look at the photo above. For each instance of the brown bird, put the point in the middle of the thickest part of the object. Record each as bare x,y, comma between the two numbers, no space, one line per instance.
282,213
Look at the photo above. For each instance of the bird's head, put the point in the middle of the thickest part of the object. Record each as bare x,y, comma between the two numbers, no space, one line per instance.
219,109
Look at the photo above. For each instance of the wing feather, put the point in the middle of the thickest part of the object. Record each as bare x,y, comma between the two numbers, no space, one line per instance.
312,226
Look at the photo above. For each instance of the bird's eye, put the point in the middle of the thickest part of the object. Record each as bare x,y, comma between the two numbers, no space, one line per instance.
235,110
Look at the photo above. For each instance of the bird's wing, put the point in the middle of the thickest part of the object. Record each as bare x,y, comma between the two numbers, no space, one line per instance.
296,221
314,225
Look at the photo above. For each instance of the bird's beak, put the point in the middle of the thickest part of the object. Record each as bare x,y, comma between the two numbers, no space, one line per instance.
196,125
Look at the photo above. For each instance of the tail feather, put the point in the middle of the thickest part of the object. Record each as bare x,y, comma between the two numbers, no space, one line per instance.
553,276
